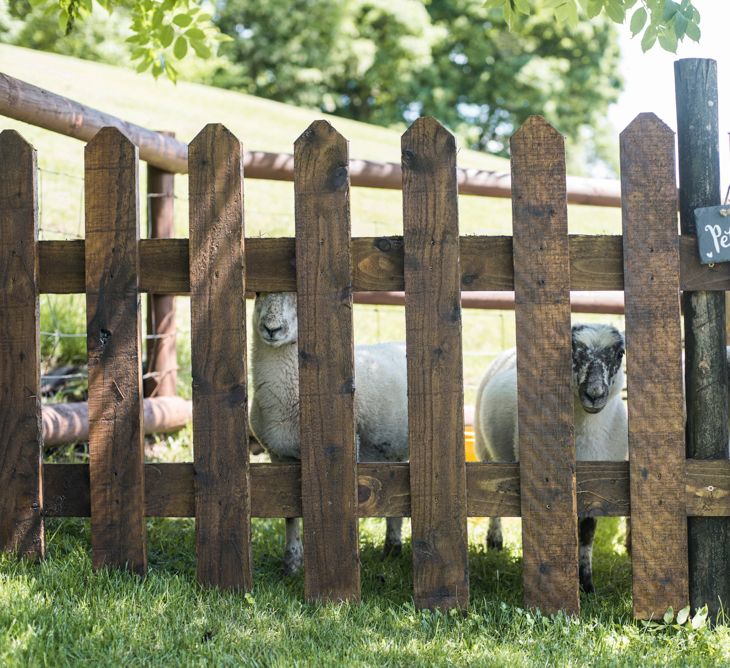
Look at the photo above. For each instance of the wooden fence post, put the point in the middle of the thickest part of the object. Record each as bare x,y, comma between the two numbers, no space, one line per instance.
432,275
116,433
704,326
161,350
654,354
21,498
545,407
326,365
220,383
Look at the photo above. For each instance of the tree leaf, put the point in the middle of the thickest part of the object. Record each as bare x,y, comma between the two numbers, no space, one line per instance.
195,34
668,40
594,8
647,41
615,11
167,34
201,49
693,31
182,20
180,48
637,21
670,9
680,25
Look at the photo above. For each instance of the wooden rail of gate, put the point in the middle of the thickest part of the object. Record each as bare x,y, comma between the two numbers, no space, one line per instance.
433,264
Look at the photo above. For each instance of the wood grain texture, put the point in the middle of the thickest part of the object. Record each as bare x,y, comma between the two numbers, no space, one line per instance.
326,365
384,489
545,408
116,430
706,380
435,384
21,522
218,346
654,364
596,263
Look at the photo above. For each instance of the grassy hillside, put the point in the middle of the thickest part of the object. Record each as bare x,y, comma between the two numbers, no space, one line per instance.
261,125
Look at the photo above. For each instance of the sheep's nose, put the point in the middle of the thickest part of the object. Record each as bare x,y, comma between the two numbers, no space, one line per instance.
272,330
594,393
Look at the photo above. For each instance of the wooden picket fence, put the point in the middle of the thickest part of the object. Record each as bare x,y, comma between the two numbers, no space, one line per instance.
658,488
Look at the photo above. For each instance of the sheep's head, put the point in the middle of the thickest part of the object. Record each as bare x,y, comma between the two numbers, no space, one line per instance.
597,354
275,317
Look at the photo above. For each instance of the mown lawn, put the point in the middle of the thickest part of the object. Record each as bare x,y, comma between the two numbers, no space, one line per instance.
61,613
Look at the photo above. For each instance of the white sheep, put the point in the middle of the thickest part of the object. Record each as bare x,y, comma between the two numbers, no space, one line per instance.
601,423
381,405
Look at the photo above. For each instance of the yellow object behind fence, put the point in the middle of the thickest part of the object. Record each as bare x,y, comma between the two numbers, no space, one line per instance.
471,455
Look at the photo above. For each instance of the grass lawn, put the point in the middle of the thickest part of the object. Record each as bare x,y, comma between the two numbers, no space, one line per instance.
59,612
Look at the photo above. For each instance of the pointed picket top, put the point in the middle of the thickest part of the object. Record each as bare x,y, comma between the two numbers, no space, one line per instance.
425,139
214,133
646,123
533,132
18,158
321,160
110,136
12,142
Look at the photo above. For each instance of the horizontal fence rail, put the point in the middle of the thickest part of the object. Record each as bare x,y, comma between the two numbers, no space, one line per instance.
384,491
596,263
30,104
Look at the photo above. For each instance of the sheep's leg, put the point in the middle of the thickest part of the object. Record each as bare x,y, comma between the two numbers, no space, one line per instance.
585,555
293,551
494,534
393,541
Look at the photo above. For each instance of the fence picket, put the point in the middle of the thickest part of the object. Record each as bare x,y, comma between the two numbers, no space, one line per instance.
116,431
327,429
654,354
220,386
545,408
21,521
435,385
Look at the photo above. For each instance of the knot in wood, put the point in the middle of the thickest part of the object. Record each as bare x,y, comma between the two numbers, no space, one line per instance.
338,178
383,245
409,158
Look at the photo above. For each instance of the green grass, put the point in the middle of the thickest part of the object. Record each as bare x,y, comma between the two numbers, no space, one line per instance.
62,613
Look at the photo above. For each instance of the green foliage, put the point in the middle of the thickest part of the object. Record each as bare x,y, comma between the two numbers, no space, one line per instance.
386,62
664,21
162,32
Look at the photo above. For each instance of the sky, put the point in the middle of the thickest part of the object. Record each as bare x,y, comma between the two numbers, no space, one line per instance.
649,77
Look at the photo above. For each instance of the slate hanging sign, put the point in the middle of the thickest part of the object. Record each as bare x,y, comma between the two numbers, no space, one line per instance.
713,233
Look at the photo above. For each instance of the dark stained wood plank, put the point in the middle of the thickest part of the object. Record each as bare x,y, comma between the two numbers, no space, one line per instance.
705,375
545,407
326,365
116,431
218,347
486,264
384,489
654,364
435,383
21,440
